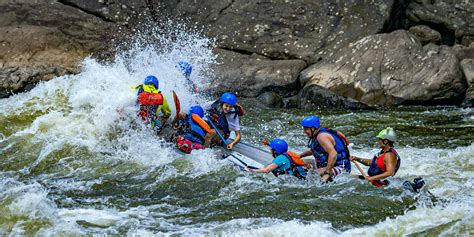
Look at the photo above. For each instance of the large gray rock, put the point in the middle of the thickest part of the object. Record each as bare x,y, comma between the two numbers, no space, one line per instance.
391,69
44,40
250,76
306,30
468,69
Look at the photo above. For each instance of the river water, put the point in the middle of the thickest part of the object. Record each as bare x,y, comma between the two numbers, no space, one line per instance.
74,160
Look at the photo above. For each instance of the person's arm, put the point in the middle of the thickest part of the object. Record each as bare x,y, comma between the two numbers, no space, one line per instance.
267,169
390,161
236,140
306,153
363,161
328,146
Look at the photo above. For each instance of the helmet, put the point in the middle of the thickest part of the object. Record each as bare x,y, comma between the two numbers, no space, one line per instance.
197,110
228,98
151,80
311,121
185,68
279,146
388,134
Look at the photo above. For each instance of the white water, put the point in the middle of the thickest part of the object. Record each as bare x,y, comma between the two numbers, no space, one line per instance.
94,113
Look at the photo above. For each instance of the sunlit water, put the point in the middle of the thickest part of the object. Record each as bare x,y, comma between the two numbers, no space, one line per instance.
74,159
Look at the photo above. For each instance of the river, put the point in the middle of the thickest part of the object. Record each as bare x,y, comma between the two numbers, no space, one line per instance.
74,160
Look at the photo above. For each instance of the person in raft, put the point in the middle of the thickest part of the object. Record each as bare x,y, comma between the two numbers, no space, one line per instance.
284,162
224,114
151,102
192,134
186,68
329,147
385,163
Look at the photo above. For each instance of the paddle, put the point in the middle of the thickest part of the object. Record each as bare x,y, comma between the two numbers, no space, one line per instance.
245,164
217,130
361,171
177,104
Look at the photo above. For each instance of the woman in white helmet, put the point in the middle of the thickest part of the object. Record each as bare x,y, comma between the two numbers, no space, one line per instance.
386,162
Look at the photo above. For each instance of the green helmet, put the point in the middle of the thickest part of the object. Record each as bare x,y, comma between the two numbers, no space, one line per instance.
388,134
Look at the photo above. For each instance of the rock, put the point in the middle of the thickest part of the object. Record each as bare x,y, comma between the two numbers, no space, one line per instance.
463,52
316,97
250,76
453,19
271,99
425,34
468,69
391,69
306,30
36,46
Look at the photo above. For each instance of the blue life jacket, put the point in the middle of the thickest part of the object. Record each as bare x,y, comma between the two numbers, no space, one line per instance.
294,169
342,158
377,166
215,112
194,132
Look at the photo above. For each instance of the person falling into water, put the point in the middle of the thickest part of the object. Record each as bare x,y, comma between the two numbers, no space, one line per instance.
225,114
186,68
385,163
151,102
329,148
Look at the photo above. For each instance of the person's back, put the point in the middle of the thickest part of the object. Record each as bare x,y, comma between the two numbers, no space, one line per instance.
151,102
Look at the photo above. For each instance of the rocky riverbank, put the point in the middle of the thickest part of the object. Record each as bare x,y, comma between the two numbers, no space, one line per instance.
324,54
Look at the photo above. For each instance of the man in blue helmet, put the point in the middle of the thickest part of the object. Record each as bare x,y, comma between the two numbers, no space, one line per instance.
329,147
186,68
225,114
284,162
151,102
191,136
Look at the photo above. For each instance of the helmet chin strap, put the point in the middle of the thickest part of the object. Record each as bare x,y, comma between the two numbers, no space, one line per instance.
313,131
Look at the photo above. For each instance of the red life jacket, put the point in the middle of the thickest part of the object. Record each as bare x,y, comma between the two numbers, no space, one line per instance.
377,166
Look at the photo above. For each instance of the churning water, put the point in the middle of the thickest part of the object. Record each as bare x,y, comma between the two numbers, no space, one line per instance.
75,159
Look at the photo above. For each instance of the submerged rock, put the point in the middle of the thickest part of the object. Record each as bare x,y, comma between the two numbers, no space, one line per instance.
317,97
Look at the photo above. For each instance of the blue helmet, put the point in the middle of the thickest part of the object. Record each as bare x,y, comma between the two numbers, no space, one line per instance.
185,68
228,98
279,146
151,80
197,110
311,121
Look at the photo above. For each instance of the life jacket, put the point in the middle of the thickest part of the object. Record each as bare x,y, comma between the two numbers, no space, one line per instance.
149,99
296,166
192,134
377,166
219,118
341,147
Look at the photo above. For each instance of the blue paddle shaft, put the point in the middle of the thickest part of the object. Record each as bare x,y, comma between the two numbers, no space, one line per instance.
217,130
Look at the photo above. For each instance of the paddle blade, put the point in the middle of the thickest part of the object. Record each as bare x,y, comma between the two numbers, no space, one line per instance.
176,103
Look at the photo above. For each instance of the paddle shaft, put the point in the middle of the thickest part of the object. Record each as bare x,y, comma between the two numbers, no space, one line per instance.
360,170
217,130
